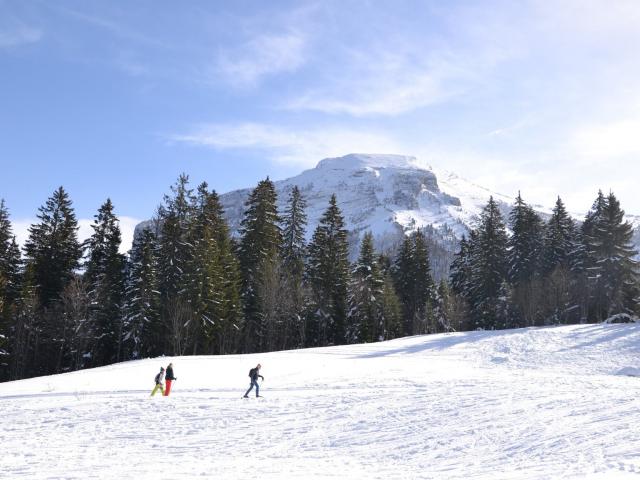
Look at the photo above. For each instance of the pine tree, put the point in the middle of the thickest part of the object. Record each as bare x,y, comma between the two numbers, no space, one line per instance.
524,258
559,239
52,255
366,295
488,267
328,278
613,268
293,252
524,247
259,256
142,325
562,270
391,309
175,254
442,309
52,251
9,287
414,283
214,282
460,270
104,276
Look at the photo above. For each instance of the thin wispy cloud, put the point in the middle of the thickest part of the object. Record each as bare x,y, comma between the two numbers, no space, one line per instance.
17,35
289,145
260,57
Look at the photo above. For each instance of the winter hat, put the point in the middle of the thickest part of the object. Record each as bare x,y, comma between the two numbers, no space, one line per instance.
162,369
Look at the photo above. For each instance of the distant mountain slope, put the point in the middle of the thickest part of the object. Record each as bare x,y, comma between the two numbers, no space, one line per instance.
389,195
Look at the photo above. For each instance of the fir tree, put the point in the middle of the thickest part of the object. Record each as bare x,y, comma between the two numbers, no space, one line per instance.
293,252
525,244
175,254
524,258
52,251
214,282
414,282
442,309
460,270
328,278
559,239
9,287
391,309
258,255
365,302
488,267
104,276
613,268
142,328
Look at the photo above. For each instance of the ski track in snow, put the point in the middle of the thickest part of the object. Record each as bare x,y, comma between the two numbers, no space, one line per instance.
542,403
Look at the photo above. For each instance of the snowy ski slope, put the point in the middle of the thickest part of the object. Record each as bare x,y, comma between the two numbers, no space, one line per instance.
546,403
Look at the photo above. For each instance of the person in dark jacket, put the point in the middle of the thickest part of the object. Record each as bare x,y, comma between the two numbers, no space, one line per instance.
169,378
159,384
254,373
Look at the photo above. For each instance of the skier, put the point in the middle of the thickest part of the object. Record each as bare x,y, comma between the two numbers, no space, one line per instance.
159,385
254,373
169,378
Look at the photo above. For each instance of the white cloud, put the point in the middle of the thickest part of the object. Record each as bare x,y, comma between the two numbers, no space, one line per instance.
19,35
291,145
127,227
262,56
601,142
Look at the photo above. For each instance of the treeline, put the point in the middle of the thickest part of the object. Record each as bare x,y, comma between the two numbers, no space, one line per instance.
187,287
544,273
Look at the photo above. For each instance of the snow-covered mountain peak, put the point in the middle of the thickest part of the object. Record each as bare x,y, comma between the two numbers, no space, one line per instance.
358,161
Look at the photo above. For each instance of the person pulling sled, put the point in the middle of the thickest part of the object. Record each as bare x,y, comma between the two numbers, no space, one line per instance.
168,378
254,373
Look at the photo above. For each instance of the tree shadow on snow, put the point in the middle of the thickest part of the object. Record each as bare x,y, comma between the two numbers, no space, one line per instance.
438,342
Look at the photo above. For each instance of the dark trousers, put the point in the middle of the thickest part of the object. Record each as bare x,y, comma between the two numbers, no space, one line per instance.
251,385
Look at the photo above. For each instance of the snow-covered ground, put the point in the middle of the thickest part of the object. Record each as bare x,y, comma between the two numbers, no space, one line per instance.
545,403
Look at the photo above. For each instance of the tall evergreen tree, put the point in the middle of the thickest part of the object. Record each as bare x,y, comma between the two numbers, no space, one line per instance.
328,278
52,255
293,252
559,239
259,257
9,287
524,247
104,276
414,282
366,296
562,261
214,282
142,326
489,268
391,309
524,258
403,281
610,246
52,251
175,254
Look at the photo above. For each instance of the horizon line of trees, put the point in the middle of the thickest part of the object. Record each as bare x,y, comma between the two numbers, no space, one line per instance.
188,287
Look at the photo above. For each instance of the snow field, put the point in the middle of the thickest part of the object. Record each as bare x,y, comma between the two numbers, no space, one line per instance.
541,403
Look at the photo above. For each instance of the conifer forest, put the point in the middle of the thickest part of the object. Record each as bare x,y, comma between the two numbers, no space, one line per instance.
190,287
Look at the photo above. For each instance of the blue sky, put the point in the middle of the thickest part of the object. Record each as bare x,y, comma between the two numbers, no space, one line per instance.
115,99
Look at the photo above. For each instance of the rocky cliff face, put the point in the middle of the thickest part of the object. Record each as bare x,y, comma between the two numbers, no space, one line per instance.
385,194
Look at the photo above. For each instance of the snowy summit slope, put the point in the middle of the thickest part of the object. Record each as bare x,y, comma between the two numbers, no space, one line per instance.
541,403
388,195
384,194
